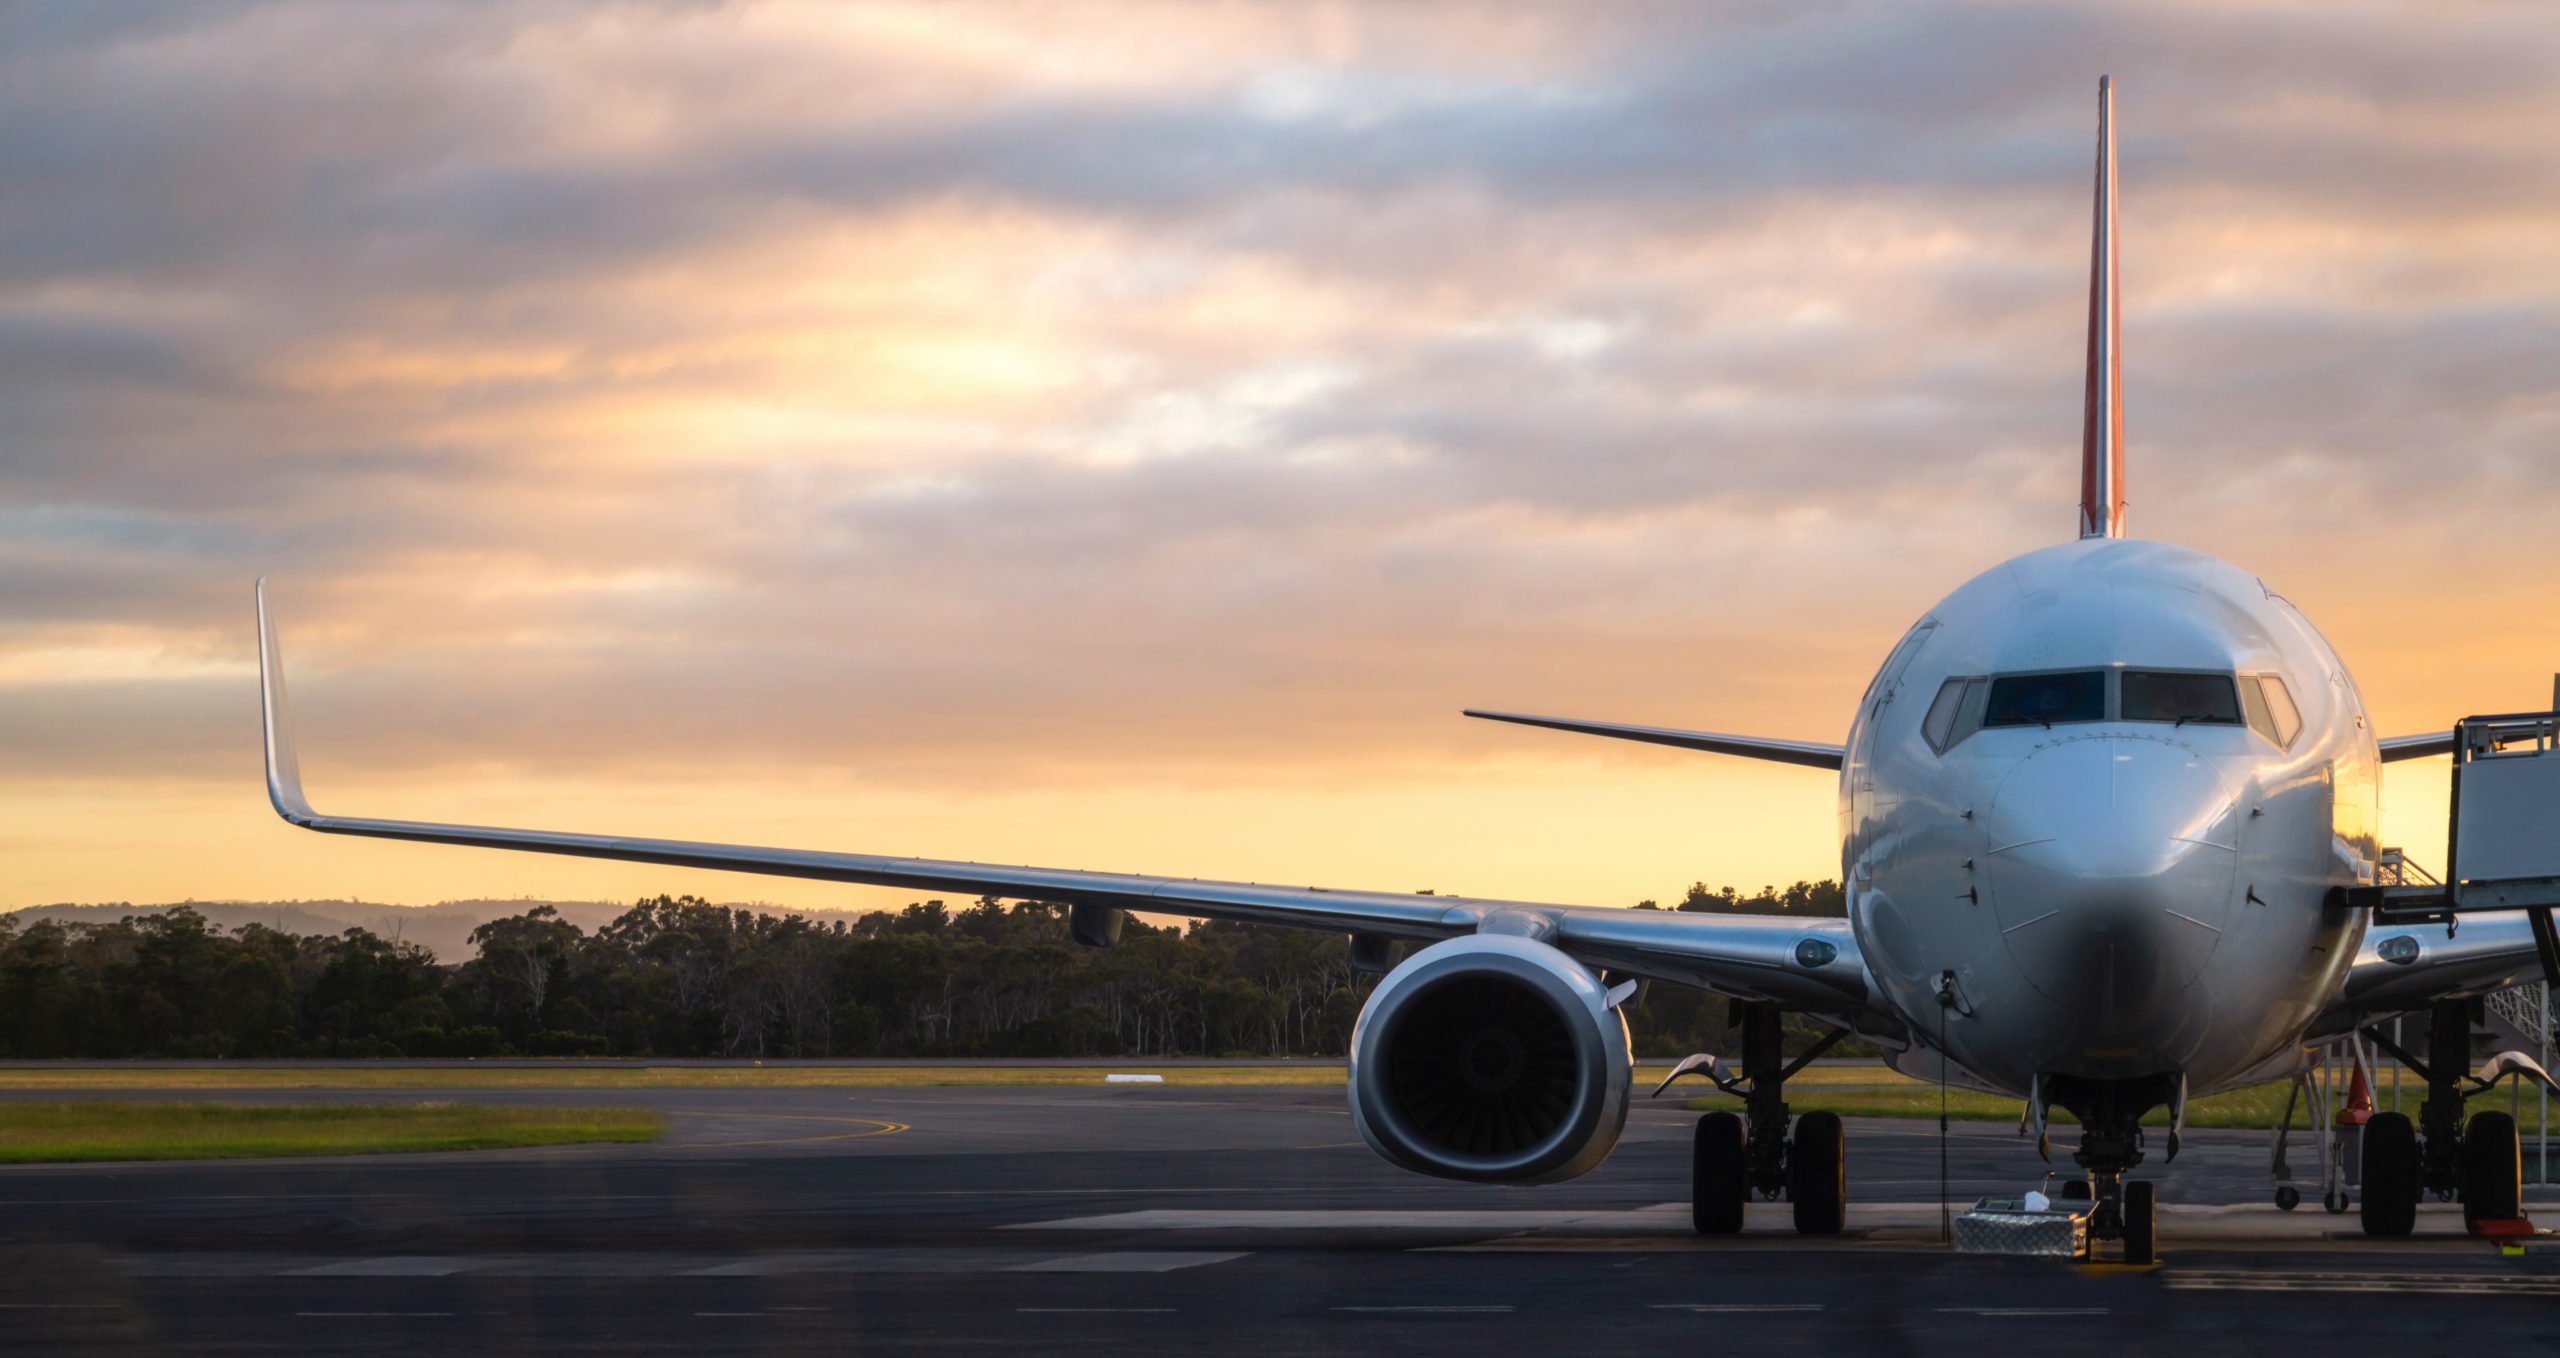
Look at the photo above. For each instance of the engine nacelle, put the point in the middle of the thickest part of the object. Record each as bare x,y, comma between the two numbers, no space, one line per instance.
1490,1057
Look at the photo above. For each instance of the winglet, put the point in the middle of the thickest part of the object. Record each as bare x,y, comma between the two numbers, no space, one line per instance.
2102,408
284,771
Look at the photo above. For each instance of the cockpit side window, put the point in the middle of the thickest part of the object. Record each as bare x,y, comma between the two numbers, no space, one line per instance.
1955,713
2270,708
2186,699
1940,725
2046,699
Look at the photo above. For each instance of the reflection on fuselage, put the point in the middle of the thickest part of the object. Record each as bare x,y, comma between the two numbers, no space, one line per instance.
2122,879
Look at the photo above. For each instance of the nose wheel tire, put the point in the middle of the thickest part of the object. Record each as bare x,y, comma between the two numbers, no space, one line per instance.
1817,1174
2288,1198
1716,1184
2492,1170
2141,1215
2390,1207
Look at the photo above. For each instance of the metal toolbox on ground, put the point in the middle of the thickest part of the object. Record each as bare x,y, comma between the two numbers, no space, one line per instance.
2009,1226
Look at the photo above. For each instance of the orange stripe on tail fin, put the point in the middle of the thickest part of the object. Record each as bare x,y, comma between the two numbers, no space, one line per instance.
2102,413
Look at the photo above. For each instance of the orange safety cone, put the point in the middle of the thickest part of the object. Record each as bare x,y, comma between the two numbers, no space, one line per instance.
2358,1109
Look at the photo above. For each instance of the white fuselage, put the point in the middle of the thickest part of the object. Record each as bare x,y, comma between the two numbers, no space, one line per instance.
2116,898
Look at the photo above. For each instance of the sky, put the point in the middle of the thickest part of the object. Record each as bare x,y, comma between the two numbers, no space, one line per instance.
1123,435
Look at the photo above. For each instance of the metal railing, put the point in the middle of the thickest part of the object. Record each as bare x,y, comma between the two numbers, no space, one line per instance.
2393,869
2527,1008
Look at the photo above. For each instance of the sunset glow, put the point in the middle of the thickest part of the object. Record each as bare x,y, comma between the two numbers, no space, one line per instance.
1124,436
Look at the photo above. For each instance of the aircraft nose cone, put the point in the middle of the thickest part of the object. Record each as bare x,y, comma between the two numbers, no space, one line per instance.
2111,861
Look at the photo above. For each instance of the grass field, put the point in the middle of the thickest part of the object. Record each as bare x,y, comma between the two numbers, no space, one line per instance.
34,1133
1313,1075
2257,1106
1852,1090
73,1078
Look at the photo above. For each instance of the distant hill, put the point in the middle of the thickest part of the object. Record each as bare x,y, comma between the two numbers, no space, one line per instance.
443,928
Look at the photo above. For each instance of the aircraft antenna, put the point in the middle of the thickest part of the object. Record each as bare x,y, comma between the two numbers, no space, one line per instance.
1946,1213
2102,410
1946,1222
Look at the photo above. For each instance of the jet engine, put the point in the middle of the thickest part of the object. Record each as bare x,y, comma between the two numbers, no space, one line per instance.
1490,1057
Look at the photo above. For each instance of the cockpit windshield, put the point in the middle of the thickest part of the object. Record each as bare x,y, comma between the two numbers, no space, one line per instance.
1969,703
2046,699
2185,699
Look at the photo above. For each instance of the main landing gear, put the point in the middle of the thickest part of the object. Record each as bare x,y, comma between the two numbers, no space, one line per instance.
2481,1164
1757,1151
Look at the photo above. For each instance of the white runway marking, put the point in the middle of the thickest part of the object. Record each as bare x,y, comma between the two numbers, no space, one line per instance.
1658,1225
1424,1310
1212,1219
2021,1311
617,1264
393,1266
1126,1261
2435,1284
1736,1308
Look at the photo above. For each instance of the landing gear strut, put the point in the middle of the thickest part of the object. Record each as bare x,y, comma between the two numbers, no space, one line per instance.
1764,1109
2110,1113
1759,1151
2440,1117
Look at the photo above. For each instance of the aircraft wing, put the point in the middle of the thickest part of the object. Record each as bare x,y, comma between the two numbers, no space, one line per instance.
2395,748
1811,754
1811,965
2487,951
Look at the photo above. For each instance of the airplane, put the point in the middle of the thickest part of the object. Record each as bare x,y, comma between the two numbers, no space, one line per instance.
2095,811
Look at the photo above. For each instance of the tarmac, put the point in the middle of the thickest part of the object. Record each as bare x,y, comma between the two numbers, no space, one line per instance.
1166,1219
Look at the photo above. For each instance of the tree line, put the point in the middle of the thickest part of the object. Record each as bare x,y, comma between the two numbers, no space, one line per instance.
680,977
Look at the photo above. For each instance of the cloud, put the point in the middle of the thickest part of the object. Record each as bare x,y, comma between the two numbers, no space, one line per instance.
982,399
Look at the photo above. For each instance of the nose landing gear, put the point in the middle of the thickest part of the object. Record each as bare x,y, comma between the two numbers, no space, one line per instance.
2110,1113
2141,1213
2122,1210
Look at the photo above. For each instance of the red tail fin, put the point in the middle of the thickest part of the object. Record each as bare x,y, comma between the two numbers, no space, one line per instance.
2102,414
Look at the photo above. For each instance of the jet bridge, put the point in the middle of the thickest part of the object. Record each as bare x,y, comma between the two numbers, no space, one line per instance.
2503,842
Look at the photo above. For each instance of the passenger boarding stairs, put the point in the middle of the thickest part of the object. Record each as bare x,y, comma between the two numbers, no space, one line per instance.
2521,1017
2503,842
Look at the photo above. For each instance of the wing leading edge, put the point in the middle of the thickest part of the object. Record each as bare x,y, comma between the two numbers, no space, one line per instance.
1749,956
2397,748
1811,754
2489,951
